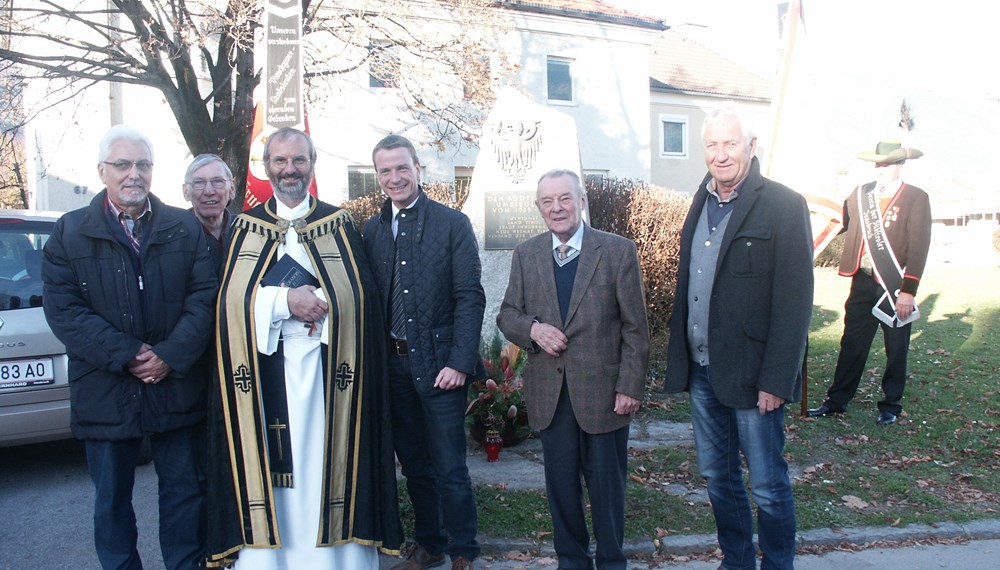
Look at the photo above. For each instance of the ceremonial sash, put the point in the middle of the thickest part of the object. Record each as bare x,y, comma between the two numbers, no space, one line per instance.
885,266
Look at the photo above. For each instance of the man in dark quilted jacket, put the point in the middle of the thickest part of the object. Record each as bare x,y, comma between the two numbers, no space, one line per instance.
426,263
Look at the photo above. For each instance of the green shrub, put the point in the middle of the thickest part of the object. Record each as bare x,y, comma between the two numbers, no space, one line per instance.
651,217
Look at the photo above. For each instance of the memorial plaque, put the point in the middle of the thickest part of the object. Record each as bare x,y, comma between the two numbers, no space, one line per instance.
521,141
511,217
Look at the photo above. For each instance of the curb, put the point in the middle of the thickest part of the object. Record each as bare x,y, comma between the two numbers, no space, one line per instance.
701,543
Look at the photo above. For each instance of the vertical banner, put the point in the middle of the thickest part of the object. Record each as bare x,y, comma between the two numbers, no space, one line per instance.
283,67
283,104
800,144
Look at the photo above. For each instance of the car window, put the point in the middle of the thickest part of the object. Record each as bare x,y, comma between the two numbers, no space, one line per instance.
21,245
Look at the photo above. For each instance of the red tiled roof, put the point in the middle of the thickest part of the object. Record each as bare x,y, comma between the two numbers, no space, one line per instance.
585,9
681,65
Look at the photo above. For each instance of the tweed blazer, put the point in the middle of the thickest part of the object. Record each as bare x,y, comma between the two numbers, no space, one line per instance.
761,301
608,335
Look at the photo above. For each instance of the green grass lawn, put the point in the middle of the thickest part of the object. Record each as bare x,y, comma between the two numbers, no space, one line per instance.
940,462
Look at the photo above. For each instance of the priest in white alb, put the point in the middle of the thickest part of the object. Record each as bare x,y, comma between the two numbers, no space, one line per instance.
301,468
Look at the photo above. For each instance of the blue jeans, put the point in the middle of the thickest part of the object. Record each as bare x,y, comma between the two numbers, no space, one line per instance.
181,500
720,434
429,438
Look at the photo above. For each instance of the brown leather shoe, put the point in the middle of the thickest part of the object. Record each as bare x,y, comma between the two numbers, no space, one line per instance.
420,559
461,563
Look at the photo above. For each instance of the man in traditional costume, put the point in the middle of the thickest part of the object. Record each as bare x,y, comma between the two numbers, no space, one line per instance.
888,235
304,476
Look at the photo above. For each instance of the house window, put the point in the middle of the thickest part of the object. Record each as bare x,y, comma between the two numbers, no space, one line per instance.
361,181
673,136
383,65
594,178
560,79
463,183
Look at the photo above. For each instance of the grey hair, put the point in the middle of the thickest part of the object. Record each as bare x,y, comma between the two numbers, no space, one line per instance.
557,172
204,160
723,114
287,133
118,133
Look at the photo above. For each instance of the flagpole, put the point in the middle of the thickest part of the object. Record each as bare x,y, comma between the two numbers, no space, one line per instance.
791,29
791,32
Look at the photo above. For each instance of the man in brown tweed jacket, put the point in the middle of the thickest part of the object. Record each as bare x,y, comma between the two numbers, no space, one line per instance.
575,303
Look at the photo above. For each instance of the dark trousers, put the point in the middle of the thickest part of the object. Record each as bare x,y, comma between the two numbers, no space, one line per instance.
181,500
602,460
428,433
859,332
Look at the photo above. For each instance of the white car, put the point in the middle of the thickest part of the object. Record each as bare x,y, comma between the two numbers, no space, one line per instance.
34,389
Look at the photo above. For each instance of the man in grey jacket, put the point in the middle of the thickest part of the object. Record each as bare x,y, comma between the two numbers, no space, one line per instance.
738,336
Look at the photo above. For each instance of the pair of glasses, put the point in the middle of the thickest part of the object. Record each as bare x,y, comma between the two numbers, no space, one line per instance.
201,183
297,162
126,165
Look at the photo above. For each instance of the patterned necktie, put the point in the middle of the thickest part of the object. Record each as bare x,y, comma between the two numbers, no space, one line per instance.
563,254
398,316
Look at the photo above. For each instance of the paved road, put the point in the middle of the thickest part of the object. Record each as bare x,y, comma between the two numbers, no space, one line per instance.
975,555
46,505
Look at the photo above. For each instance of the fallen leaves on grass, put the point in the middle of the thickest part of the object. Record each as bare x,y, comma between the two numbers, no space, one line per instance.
851,440
855,503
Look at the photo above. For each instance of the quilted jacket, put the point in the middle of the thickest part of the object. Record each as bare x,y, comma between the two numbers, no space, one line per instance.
445,301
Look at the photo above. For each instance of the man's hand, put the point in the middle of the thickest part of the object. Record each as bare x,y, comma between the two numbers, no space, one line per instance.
548,338
904,306
625,405
768,402
306,306
147,366
449,379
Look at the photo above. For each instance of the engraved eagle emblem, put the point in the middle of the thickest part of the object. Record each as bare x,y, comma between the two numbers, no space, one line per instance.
516,146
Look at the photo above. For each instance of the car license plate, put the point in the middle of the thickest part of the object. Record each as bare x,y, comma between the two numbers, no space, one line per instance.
28,372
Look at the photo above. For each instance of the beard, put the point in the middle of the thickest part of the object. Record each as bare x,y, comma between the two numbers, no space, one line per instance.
132,195
292,186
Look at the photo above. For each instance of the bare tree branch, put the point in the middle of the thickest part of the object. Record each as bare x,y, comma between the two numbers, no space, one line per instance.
199,54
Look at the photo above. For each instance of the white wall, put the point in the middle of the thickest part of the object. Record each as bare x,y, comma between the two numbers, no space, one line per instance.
610,80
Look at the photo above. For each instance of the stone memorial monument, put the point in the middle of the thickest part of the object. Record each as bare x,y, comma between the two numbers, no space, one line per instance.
521,141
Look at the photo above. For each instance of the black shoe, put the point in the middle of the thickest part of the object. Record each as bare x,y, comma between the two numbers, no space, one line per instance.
824,410
885,419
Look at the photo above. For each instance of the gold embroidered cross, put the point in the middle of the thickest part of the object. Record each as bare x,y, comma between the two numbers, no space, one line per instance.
277,427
